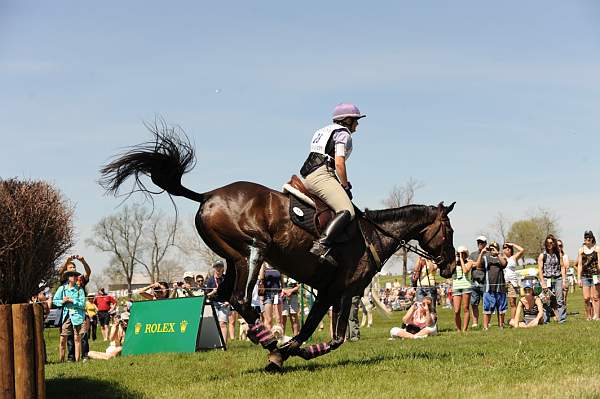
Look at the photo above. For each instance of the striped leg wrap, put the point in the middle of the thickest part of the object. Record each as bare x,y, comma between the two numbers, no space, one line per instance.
259,334
317,350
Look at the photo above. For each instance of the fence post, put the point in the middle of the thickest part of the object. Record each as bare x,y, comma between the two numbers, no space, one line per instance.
7,377
40,353
22,319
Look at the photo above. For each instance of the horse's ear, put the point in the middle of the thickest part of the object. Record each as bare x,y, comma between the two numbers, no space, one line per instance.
450,208
441,206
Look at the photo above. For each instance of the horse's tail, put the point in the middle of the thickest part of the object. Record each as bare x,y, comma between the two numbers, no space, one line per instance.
165,160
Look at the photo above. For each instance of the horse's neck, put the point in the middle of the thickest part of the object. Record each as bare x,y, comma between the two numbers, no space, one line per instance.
403,229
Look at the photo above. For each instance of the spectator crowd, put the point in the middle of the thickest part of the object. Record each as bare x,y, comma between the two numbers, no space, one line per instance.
489,286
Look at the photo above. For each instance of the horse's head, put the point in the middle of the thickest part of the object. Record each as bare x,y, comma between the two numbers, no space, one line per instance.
436,239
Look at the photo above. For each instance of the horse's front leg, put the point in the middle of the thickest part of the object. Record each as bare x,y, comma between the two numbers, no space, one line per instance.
341,311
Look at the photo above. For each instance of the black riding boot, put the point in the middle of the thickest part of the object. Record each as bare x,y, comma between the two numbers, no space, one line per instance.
322,246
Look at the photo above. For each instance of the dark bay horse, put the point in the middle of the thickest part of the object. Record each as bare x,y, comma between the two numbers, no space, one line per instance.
246,224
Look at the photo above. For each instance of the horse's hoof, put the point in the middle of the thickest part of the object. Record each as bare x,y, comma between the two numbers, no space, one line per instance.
274,363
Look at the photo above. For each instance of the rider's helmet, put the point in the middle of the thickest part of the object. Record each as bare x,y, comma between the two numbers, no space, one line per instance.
346,110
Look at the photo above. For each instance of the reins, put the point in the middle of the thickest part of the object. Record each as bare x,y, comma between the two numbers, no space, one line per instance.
401,243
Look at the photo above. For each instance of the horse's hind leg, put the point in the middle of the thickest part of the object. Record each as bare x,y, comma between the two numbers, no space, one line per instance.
246,276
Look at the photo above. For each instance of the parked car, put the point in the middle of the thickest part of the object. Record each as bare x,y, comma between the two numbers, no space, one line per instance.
51,317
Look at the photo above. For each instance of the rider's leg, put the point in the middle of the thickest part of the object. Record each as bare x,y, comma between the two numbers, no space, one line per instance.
337,226
324,184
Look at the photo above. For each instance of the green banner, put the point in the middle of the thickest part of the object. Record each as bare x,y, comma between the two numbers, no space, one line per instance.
170,325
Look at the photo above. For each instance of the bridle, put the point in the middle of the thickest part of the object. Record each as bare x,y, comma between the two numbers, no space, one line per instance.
401,243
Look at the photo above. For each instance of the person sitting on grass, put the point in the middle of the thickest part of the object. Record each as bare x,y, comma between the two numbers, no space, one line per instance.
117,337
530,306
419,321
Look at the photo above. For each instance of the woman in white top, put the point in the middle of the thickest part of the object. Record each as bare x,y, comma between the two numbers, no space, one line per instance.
510,274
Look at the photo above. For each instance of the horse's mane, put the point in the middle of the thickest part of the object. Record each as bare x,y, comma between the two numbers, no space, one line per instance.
404,212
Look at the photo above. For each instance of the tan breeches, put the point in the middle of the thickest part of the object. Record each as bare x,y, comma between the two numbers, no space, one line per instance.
324,184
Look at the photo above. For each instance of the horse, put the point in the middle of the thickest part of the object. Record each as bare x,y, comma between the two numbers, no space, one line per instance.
247,224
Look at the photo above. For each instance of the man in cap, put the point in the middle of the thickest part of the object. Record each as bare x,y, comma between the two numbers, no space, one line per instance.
325,175
222,308
477,280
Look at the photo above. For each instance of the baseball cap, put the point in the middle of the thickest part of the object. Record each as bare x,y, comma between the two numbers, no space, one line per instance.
189,275
218,263
481,238
461,249
527,283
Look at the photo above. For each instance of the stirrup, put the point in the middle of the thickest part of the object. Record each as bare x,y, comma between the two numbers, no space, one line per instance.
327,258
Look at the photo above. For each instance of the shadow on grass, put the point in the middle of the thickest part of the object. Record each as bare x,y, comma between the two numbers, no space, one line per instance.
73,387
368,361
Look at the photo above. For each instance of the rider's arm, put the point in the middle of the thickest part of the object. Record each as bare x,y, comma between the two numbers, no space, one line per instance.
340,170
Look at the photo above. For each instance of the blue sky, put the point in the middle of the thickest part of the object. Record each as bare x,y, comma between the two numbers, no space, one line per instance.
492,105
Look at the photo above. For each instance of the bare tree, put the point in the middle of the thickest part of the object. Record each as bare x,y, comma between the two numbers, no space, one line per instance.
35,231
402,196
498,229
192,246
121,236
158,238
170,270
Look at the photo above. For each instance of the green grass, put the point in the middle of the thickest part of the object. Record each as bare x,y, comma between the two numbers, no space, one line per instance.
549,361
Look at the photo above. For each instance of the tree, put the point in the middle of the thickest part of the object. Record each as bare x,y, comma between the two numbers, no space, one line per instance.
158,238
194,248
498,229
121,236
402,196
35,231
530,233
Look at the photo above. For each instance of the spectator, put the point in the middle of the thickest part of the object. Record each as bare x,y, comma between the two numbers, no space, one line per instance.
117,337
291,305
530,307
367,307
156,291
353,330
231,321
82,281
189,285
510,274
587,275
104,303
222,308
494,296
91,312
461,289
200,283
426,281
71,297
419,321
552,274
271,301
477,279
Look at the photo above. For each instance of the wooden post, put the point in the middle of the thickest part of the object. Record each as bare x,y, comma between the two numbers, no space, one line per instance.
7,377
40,352
22,318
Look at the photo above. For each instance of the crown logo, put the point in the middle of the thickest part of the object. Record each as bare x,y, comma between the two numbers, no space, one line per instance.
183,326
138,328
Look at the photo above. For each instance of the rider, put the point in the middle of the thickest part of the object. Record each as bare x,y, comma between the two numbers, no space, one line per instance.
329,149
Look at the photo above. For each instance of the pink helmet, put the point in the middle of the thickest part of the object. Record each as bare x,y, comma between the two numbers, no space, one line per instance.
346,110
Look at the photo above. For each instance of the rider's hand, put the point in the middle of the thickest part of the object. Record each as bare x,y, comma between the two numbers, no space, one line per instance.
347,189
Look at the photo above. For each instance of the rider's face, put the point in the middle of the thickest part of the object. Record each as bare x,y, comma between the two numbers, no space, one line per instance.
354,125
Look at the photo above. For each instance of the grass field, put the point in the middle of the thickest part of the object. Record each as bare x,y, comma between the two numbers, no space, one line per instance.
548,361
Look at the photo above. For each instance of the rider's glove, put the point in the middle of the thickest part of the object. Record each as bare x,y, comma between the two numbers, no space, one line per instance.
347,190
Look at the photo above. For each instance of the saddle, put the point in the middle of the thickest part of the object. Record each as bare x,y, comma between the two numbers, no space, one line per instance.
309,211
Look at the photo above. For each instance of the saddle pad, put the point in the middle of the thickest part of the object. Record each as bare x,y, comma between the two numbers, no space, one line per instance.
302,215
